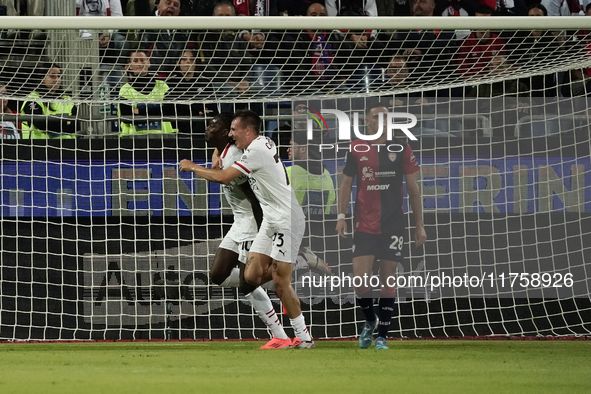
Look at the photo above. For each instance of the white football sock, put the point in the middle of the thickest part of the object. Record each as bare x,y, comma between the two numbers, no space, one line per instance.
299,328
262,305
233,280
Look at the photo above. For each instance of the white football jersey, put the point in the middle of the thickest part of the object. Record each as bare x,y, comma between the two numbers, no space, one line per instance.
270,184
244,227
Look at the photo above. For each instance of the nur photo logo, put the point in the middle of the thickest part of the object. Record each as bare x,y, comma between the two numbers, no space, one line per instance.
402,121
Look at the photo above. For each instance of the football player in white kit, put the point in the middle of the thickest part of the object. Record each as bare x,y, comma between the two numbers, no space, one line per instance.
228,264
277,242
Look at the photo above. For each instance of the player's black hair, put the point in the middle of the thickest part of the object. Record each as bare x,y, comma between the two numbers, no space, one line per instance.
375,104
249,118
586,8
225,118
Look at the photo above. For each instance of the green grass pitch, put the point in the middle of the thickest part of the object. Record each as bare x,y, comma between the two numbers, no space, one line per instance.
458,366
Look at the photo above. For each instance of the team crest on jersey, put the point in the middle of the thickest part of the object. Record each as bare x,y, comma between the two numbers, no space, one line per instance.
363,158
367,174
392,156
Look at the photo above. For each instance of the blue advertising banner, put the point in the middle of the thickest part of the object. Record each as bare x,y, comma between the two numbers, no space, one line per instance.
449,184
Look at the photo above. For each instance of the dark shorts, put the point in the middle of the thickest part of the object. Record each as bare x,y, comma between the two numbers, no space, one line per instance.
388,245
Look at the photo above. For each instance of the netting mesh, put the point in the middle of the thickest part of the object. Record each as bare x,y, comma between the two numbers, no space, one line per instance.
103,238
288,64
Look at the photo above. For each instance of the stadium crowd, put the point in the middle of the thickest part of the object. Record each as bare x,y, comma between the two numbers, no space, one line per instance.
223,65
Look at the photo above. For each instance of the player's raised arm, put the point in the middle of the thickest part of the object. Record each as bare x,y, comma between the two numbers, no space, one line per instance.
343,204
416,203
218,176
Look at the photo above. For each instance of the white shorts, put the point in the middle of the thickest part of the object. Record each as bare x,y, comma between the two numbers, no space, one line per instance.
240,248
280,244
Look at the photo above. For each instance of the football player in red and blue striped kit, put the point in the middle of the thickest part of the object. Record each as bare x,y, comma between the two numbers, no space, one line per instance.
379,222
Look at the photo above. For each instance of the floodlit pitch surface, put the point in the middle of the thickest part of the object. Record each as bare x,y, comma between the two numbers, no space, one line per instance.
333,367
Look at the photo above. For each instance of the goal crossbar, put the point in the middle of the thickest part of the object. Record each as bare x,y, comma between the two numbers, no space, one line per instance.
283,23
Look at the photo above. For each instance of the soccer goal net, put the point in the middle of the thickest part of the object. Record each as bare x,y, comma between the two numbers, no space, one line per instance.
104,238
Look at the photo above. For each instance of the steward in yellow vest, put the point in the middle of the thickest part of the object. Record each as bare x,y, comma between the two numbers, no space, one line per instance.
312,183
50,101
148,91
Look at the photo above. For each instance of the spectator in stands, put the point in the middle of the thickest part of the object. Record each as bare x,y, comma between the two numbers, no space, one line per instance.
141,7
165,46
354,8
456,7
580,79
470,7
48,100
188,83
397,71
367,49
529,48
293,7
255,7
144,88
255,38
565,7
111,39
423,8
504,88
418,102
316,58
243,7
479,48
394,8
148,7
8,130
506,7
429,53
32,7
504,101
24,8
398,77
228,64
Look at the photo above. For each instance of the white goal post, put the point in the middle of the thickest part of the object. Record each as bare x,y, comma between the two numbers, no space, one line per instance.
103,238
295,23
